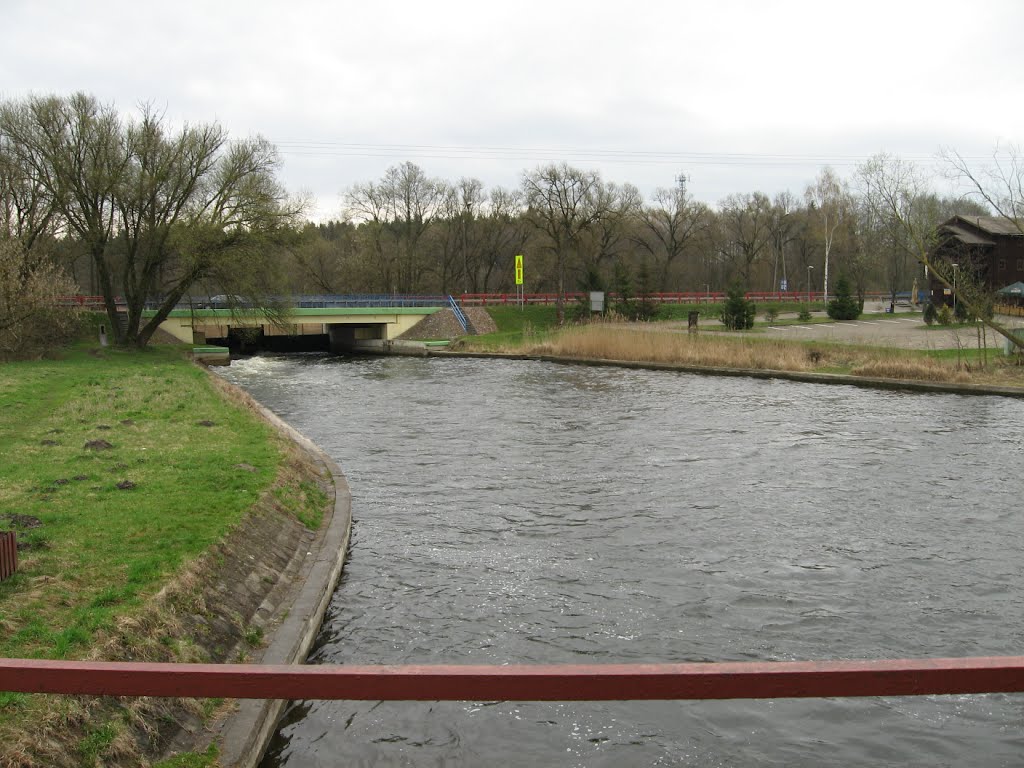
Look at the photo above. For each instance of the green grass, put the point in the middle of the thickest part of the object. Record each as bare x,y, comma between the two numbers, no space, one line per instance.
949,327
93,746
306,501
515,323
208,759
100,550
714,310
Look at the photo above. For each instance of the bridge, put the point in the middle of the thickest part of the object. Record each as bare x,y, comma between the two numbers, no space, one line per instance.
337,323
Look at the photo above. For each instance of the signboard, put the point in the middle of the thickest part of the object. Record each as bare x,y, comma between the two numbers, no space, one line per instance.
783,284
519,269
597,301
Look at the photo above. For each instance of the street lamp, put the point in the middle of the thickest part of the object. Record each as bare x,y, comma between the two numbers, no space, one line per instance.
809,268
954,287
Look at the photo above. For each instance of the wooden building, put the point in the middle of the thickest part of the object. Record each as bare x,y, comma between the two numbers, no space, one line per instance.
991,247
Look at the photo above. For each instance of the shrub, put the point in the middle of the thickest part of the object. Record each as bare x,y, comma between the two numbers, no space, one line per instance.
805,314
931,315
32,320
770,314
945,315
579,311
637,309
738,313
844,306
960,313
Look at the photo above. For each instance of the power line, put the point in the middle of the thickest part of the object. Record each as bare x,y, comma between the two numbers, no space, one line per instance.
310,148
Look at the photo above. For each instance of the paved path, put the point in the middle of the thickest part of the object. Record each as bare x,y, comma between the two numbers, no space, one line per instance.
905,330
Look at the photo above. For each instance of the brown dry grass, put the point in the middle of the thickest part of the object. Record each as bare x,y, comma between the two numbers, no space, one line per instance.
607,341
613,341
911,370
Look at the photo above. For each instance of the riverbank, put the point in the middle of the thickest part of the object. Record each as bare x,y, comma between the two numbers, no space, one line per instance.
656,345
160,518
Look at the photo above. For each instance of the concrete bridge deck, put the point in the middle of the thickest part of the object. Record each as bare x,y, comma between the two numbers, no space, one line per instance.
345,328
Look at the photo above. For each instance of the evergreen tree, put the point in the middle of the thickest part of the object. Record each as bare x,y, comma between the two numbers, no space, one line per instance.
738,314
844,306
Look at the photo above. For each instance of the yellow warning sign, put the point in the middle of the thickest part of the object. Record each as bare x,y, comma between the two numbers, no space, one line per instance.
519,269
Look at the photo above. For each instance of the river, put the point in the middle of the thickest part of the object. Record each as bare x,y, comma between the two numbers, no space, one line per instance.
526,512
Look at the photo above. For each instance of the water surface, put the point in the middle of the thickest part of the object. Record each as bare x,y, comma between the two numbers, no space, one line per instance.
524,512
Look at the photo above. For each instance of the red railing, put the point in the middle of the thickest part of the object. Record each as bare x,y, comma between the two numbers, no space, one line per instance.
492,299
85,302
694,297
8,553
612,682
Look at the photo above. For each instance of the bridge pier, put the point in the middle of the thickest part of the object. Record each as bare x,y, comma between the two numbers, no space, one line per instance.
348,337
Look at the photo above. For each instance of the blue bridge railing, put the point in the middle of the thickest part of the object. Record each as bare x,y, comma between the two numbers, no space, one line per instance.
459,314
367,300
315,301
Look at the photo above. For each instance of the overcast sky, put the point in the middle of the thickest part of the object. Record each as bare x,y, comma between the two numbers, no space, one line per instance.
739,96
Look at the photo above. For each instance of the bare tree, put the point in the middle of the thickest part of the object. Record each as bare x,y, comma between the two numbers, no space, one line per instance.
829,200
157,212
31,317
460,253
783,226
607,239
897,193
746,222
999,184
671,226
368,205
399,210
505,233
564,204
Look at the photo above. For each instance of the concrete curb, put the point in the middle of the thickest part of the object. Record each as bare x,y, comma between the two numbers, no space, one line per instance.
245,734
757,373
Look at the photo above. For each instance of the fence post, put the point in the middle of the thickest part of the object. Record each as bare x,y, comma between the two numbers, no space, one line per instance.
8,553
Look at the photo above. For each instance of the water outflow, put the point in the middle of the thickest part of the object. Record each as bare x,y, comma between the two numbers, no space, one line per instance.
522,512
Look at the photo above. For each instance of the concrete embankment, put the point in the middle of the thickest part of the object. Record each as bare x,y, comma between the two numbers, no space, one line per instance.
905,385
295,610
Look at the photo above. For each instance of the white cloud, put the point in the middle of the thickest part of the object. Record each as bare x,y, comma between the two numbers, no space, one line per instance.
793,78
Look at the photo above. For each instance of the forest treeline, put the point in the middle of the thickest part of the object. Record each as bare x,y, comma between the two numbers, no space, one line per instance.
410,233
148,214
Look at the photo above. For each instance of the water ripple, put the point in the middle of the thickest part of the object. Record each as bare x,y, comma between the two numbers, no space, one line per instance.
524,512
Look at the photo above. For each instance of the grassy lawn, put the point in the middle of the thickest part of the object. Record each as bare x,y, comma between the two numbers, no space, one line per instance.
103,527
516,324
532,323
681,312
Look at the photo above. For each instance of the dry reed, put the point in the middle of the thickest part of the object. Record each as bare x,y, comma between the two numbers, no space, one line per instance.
612,341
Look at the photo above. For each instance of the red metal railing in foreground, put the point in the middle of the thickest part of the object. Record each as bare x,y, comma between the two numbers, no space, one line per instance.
612,682
8,553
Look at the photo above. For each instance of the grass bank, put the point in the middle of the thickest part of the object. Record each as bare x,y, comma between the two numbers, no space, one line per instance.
662,344
532,323
120,469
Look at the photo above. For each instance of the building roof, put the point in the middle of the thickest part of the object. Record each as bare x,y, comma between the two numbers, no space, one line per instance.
992,225
965,235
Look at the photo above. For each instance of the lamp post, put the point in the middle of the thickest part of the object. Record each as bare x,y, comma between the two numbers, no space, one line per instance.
954,287
809,268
